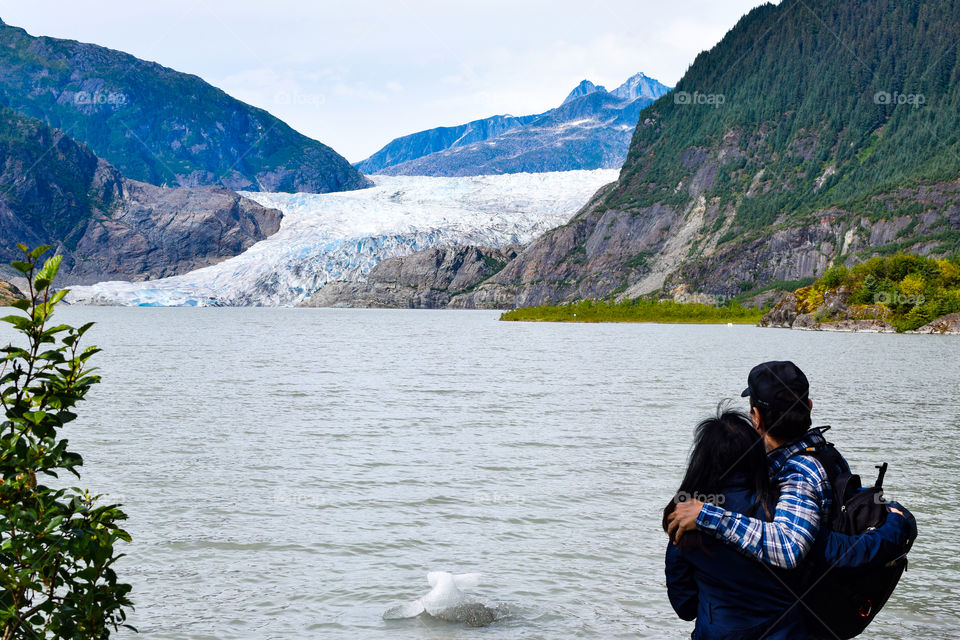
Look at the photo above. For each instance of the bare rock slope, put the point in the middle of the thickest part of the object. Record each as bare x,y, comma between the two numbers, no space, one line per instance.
427,279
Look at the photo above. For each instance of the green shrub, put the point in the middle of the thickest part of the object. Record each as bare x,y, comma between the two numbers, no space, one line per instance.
835,277
916,290
56,545
640,310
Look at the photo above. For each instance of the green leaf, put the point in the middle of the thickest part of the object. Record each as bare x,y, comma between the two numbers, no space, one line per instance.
39,251
19,322
57,329
36,417
21,266
50,268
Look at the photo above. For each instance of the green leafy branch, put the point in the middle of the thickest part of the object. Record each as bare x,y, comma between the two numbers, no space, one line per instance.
56,544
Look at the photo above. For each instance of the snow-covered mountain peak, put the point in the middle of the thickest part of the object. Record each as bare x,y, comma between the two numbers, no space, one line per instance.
584,88
640,86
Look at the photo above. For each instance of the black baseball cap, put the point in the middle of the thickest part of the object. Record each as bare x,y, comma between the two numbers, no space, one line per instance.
777,385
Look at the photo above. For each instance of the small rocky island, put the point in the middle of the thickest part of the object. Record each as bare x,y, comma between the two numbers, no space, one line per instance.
896,294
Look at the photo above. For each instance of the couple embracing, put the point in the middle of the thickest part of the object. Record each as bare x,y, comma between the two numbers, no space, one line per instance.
771,534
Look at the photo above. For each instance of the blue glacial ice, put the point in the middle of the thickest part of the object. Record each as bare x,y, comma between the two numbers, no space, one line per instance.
341,236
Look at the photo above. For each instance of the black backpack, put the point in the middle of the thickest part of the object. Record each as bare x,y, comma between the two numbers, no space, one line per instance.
844,602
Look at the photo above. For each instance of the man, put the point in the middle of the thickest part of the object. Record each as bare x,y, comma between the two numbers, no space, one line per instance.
780,408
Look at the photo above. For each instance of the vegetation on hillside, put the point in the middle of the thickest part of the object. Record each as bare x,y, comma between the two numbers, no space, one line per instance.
639,310
907,291
158,125
56,544
51,184
816,104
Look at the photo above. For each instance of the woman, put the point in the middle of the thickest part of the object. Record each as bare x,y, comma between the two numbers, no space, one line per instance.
730,595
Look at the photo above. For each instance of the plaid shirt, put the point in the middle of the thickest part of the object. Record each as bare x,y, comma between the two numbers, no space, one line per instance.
805,497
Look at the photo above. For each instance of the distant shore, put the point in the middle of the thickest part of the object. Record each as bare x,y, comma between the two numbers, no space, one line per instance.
663,311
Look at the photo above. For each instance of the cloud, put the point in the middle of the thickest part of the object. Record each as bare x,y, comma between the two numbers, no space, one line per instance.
358,75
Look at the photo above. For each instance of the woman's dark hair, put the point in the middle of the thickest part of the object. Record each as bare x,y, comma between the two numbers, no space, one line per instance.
724,446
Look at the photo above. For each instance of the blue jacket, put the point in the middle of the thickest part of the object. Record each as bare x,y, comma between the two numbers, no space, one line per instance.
733,596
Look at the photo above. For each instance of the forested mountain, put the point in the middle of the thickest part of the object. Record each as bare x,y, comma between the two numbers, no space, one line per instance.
55,191
815,132
591,129
158,125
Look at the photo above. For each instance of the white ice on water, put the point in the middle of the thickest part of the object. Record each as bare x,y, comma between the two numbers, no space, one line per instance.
341,236
447,601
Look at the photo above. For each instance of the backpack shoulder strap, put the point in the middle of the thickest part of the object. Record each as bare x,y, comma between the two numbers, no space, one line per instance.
827,455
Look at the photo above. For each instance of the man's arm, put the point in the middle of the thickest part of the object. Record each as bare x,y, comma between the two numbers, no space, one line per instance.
781,543
871,548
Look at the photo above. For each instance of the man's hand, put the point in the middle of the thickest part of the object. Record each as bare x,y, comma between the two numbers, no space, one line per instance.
896,511
683,519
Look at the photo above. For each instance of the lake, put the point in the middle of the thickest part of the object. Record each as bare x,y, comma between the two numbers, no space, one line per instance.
292,473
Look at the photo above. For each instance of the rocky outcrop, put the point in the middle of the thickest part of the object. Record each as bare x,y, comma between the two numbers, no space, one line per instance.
108,227
833,314
154,232
783,314
158,125
9,293
427,279
947,324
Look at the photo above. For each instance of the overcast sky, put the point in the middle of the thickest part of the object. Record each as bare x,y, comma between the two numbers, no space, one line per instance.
355,75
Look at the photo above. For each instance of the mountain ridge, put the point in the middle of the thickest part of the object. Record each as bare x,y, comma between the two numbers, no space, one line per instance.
53,190
159,125
416,145
590,129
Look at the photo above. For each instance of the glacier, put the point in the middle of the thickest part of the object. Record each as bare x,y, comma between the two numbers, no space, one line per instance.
341,236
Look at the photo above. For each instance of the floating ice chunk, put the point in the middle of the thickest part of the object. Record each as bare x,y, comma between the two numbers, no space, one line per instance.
447,601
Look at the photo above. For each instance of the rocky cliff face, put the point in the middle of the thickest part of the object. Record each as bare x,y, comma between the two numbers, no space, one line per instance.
424,280
8,293
160,126
108,227
797,161
608,252
591,129
154,232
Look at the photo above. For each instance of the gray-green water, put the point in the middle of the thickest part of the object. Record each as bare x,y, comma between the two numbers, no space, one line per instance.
292,473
